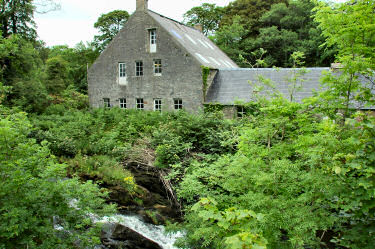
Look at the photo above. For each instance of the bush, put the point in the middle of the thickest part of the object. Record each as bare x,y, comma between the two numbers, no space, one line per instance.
309,177
102,168
34,193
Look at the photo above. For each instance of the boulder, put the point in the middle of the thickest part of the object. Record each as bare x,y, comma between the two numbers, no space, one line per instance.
117,236
152,217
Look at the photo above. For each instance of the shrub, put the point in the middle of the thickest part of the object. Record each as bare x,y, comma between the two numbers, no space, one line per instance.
103,169
34,193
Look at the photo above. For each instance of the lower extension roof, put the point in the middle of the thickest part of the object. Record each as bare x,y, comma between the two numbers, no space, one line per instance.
234,86
240,84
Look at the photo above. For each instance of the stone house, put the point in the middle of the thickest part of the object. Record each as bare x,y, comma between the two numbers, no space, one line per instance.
156,63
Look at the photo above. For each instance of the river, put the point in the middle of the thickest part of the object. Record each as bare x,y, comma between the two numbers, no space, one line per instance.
152,232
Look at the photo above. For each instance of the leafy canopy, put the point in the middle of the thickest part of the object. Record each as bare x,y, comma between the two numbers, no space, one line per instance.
208,15
108,26
17,18
351,27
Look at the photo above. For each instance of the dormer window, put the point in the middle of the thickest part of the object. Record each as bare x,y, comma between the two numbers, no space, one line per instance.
152,35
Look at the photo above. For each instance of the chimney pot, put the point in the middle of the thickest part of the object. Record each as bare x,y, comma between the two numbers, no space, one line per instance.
142,5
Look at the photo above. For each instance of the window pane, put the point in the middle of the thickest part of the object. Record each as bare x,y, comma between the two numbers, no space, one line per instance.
241,111
122,69
177,104
123,103
107,102
138,68
152,36
139,104
157,104
152,45
157,67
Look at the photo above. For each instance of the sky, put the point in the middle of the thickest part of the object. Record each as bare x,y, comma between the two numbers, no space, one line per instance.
74,22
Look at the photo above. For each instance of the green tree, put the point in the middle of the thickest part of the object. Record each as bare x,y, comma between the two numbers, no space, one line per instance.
281,28
208,15
229,38
83,57
250,12
38,207
22,71
290,27
57,75
77,59
350,27
8,46
109,25
16,17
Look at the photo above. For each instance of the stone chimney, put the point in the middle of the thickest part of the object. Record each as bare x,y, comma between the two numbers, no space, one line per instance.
199,27
142,5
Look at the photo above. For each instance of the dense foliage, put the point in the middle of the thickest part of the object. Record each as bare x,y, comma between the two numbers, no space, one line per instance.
244,27
299,171
40,207
17,18
207,15
288,175
117,133
350,27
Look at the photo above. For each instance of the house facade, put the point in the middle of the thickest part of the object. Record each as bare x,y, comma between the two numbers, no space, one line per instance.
154,63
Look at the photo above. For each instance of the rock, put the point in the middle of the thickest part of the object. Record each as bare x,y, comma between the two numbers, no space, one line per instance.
152,217
148,177
119,195
117,236
166,210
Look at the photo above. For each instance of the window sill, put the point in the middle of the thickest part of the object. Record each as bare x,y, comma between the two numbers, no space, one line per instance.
157,74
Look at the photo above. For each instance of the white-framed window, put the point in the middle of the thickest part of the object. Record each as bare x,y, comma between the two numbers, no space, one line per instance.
152,35
157,105
157,67
177,104
139,104
122,70
106,102
139,68
123,103
241,111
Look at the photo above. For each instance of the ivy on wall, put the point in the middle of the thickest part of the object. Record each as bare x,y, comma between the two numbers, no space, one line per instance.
205,73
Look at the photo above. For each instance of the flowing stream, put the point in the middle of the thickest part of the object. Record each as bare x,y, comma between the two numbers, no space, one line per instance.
150,231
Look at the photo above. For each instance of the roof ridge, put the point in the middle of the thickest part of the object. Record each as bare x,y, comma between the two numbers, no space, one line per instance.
172,20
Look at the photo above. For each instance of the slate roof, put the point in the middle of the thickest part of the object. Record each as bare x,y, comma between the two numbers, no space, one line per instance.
196,43
232,85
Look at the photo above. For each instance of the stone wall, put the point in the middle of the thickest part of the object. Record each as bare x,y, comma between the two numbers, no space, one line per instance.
181,73
230,111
